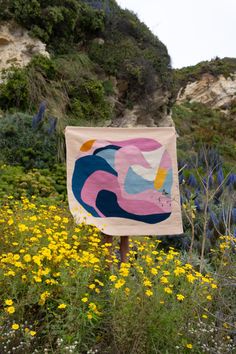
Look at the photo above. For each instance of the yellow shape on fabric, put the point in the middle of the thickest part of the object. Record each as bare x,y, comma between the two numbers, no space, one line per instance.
87,145
160,177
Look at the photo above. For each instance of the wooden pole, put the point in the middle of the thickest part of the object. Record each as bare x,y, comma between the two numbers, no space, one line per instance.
124,248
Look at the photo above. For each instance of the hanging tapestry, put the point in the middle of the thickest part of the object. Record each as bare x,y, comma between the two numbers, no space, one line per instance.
124,180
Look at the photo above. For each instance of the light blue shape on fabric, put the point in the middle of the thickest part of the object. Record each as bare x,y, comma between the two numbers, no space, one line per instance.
109,156
136,184
168,182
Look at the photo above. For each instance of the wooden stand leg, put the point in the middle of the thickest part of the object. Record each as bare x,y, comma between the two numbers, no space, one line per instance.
124,248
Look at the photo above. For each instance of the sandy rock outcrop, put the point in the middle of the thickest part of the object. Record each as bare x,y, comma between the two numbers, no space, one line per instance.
17,47
215,92
152,111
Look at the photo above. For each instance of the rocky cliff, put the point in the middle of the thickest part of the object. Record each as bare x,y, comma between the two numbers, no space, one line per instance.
120,51
214,91
17,47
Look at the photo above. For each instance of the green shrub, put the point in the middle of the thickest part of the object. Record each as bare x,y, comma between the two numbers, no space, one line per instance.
44,65
198,124
16,182
90,103
58,23
14,90
21,144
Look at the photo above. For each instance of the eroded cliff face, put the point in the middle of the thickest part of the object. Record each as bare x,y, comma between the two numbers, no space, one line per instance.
17,47
151,111
216,92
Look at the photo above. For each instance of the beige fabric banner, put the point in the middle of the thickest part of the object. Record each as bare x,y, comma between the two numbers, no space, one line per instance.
124,181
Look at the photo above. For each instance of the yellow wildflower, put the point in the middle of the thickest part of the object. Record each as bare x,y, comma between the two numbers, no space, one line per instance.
147,282
180,297
189,345
92,286
190,278
149,292
8,302
27,258
164,280
32,333
154,271
168,290
89,316
62,306
127,291
15,326
10,309
119,283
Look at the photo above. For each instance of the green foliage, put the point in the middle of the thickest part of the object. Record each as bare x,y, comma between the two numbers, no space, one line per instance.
58,23
25,88
132,53
44,183
215,67
91,21
43,65
15,182
21,144
197,124
90,102
108,87
14,91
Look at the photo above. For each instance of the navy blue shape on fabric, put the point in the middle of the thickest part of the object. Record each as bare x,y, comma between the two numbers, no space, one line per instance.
84,167
107,203
111,147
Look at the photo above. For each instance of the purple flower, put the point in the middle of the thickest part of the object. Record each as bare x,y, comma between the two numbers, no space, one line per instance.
192,182
197,205
181,178
231,180
234,215
220,176
52,125
39,116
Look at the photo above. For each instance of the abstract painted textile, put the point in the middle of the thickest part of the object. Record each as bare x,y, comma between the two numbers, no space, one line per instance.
124,181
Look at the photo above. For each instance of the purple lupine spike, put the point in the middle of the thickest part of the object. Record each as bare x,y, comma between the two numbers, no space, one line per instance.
230,179
211,179
52,125
220,176
214,218
209,233
188,194
39,116
218,195
234,233
181,178
234,181
181,164
234,215
197,205
192,182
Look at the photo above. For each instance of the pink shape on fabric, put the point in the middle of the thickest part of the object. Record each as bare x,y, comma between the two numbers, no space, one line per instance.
139,204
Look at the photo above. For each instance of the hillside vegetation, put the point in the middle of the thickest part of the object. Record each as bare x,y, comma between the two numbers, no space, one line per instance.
215,67
64,289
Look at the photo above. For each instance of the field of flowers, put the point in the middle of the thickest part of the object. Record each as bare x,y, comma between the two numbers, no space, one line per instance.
63,290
